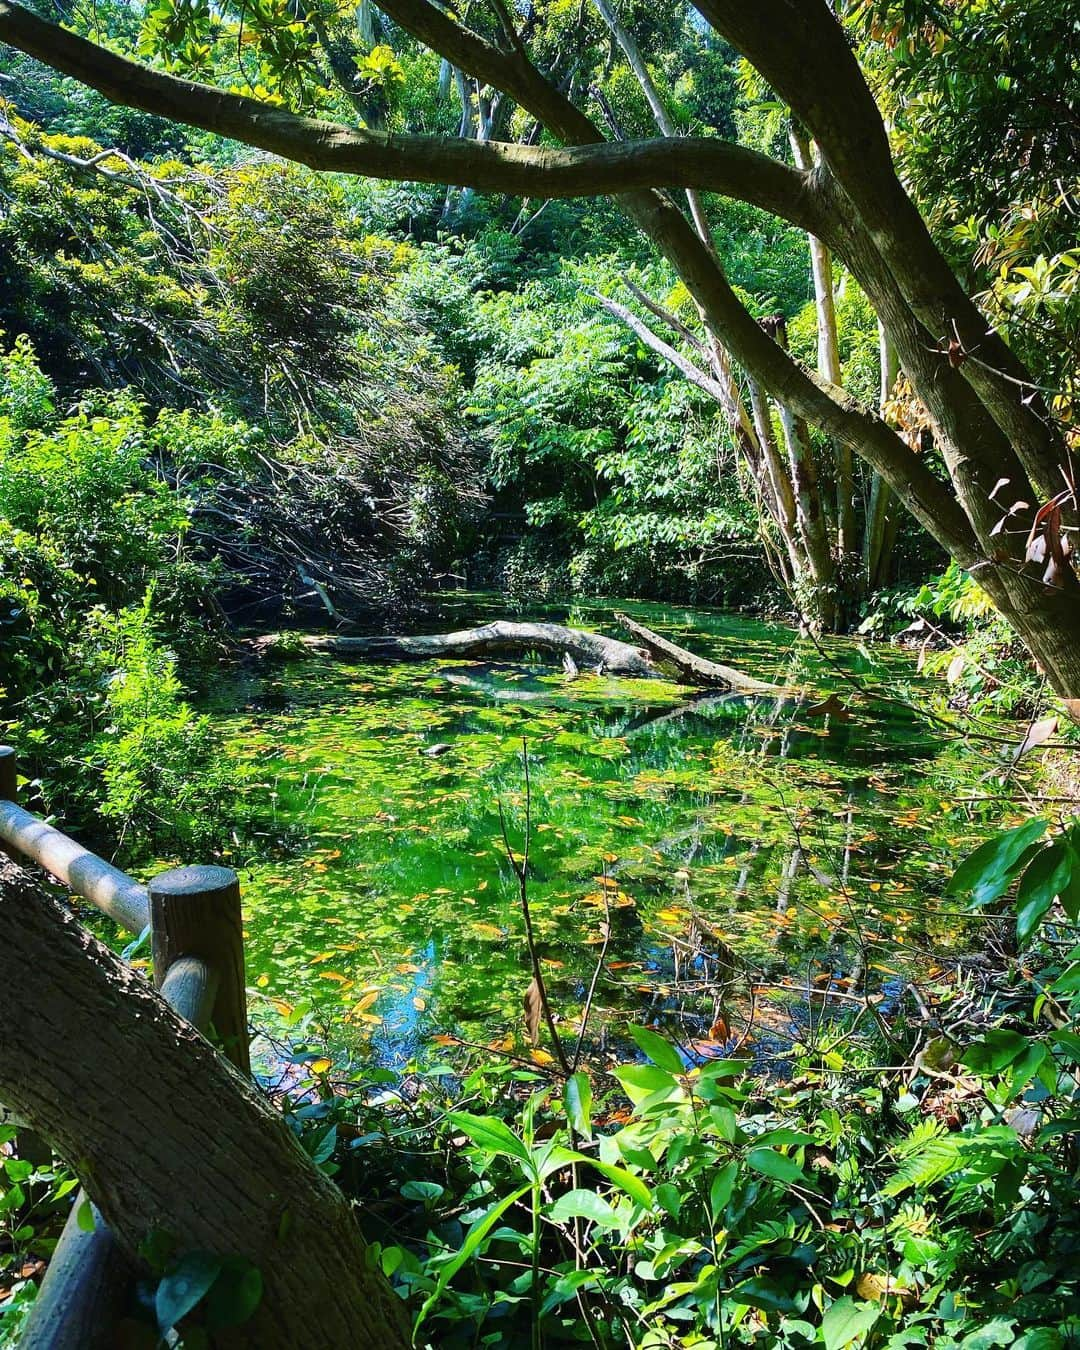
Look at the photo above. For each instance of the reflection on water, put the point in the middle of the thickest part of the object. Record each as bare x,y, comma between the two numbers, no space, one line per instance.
729,858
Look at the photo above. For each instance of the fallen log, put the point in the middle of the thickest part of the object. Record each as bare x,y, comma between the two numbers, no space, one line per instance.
589,651
654,658
693,669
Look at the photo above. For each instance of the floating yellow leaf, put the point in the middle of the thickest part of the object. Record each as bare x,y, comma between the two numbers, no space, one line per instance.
320,1065
364,1003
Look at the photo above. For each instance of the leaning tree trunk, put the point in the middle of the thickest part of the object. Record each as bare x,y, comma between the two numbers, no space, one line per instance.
167,1135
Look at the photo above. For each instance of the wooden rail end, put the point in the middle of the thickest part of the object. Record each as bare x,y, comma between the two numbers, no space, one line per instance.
195,911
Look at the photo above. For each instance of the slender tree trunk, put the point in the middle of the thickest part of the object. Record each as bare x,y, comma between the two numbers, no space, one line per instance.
166,1135
829,356
781,497
882,518
821,598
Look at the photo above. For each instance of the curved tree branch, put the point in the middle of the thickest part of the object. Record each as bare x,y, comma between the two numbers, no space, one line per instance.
538,171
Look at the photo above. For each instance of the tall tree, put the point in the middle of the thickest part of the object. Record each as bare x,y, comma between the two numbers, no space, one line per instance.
1005,507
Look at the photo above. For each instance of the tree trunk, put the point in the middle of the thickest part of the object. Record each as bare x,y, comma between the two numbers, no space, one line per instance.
820,599
881,515
167,1135
829,355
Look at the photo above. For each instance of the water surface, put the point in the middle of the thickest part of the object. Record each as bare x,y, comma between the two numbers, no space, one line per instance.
731,860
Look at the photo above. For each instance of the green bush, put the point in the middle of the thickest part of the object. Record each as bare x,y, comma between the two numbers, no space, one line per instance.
100,612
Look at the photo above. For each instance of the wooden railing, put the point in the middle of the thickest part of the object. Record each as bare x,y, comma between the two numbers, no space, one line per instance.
192,918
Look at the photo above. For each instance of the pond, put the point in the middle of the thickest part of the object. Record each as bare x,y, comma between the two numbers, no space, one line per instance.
719,866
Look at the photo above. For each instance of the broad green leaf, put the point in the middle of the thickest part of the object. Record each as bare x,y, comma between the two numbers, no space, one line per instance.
490,1134
626,1181
992,863
1047,875
775,1138
662,1053
1068,1042
640,1081
765,1293
846,1321
772,1164
999,1331
1027,1066
184,1287
234,1295
1070,892
721,1188
425,1191
566,1286
583,1204
995,1051
578,1100
475,1236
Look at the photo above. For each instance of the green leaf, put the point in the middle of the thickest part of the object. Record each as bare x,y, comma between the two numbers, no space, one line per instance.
774,1138
846,1321
1069,1043
721,1188
184,1287
426,1191
662,1053
583,1204
234,1295
1047,875
640,1081
772,1164
626,1181
762,1292
491,1135
578,1100
322,1147
1070,892
1027,1066
985,873
475,1236
85,1216
996,1051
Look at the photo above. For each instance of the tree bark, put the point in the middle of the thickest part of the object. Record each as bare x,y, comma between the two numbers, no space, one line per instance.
166,1135
692,668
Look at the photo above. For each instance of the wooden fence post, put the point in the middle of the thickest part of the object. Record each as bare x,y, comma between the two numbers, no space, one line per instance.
195,911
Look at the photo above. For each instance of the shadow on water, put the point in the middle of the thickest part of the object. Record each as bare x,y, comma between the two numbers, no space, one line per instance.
728,857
